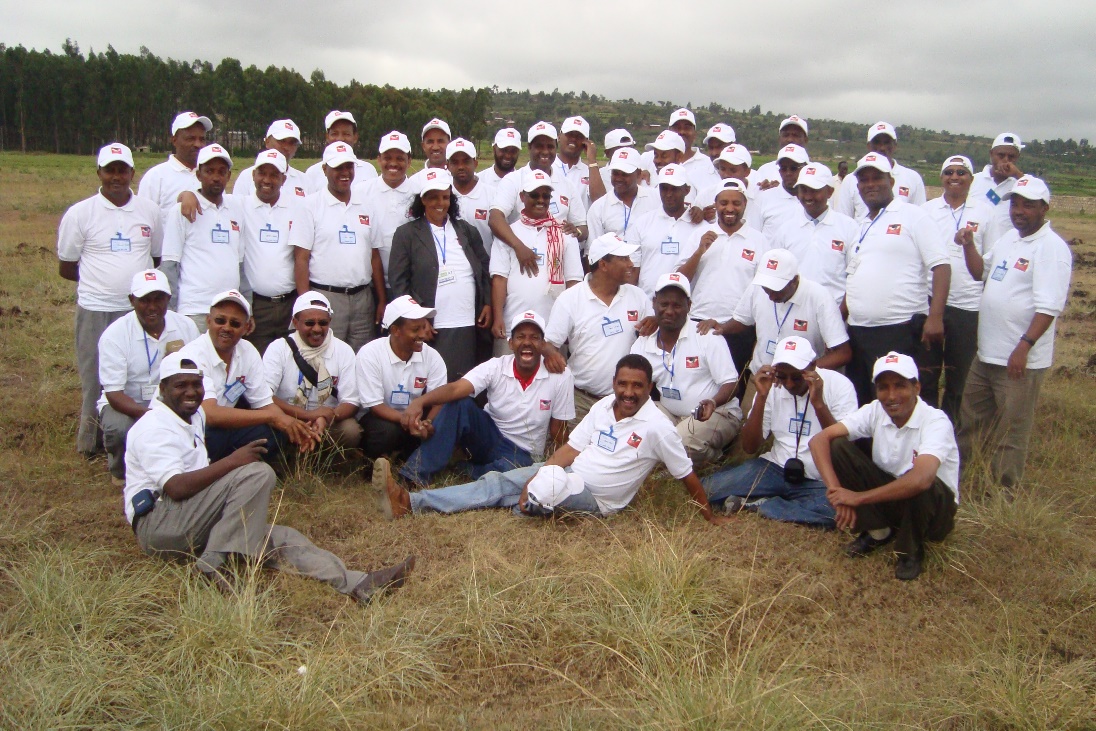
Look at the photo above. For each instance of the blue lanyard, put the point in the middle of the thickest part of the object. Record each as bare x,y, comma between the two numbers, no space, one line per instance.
877,217
150,357
960,218
779,322
627,217
673,357
440,244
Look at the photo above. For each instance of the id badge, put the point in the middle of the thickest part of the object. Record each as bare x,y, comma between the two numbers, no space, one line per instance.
671,393
793,426
269,236
120,245
446,276
235,391
770,348
539,256
993,197
999,272
671,247
346,236
148,391
400,397
219,235
553,208
606,441
610,328
854,262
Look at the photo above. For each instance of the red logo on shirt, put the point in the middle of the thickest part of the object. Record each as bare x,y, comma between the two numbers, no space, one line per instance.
299,191
904,191
584,181
747,255
972,225
235,226
363,219
837,245
481,214
420,382
800,325
546,404
692,361
772,264
635,440
563,200
633,315
146,231
894,229
1021,264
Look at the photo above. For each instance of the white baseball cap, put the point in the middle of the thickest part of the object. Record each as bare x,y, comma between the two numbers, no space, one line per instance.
530,317
575,124
272,157
312,300
533,179
777,268
731,184
674,279
552,484
667,140
172,365
335,115
610,244
189,119
405,307
435,180
1031,188
736,154
794,351
213,152
284,129
960,160
673,174
722,132
338,153
114,152
618,138
882,128
149,280
460,145
507,137
625,159
232,295
815,175
797,121
1007,139
873,160
394,140
542,129
899,363
436,123
795,153
680,114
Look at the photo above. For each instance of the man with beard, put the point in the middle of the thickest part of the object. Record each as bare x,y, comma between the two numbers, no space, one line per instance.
163,183
473,193
341,127
505,151
584,176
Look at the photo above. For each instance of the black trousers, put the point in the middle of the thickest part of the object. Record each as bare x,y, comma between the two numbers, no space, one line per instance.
960,347
381,438
871,343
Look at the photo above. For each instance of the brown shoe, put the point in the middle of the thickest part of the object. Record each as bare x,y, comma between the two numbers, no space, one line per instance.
394,500
378,581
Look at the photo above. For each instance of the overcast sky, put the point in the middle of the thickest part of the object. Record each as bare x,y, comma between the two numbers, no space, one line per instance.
969,66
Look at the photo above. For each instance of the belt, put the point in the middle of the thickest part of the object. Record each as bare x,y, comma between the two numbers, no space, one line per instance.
338,290
277,298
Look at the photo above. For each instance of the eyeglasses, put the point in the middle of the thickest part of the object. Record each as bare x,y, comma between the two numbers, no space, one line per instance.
222,321
538,196
314,323
961,172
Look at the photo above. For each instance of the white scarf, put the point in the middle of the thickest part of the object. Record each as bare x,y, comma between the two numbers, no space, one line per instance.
315,358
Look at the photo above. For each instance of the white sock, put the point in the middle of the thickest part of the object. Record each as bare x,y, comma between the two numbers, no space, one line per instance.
880,534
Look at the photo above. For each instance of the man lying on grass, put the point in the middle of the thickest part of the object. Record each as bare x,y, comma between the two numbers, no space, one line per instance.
909,490
179,504
598,472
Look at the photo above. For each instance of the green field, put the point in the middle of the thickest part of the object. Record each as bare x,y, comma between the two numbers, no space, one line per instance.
652,619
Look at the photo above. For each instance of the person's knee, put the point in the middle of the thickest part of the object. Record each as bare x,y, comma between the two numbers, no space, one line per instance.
258,477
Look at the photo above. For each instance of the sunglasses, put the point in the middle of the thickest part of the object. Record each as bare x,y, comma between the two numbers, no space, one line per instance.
231,322
961,172
314,323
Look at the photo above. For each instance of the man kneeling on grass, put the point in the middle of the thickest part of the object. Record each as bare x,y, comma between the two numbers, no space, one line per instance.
909,490
599,470
179,504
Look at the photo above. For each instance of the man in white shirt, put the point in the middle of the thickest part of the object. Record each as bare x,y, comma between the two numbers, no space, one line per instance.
574,143
388,198
793,130
693,372
599,471
626,199
435,140
908,186
661,234
719,136
180,504
1026,275
312,373
908,491
783,483
341,127
779,204
890,302
473,194
734,161
696,164
668,148
163,183
505,152
993,184
102,242
130,353
614,140
334,248
526,415
284,136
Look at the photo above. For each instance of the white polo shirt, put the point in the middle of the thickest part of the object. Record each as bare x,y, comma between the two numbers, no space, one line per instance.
522,415
725,270
1022,276
525,293
209,251
660,238
385,379
890,266
609,214
268,255
616,456
810,314
163,183
475,208
111,244
490,178
908,188
578,175
693,370
778,207
928,431
965,292
822,247
784,418
158,447
455,298
599,334
701,171
246,377
315,180
983,187
283,376
341,237
566,204
129,358
295,186
754,210
390,208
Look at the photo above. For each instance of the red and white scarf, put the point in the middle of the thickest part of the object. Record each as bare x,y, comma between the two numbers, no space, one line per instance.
553,257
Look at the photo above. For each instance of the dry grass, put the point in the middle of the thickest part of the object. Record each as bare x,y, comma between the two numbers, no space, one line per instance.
651,619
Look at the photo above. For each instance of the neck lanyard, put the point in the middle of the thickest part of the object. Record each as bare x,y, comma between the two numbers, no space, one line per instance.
673,356
802,418
440,244
780,322
958,219
877,217
627,215
150,356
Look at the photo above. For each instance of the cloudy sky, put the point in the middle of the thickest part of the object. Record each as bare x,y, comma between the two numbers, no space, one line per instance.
966,65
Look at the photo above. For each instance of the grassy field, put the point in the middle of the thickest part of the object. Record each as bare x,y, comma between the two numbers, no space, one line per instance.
652,619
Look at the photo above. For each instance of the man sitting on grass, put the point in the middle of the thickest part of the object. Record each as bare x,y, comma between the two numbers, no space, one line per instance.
908,491
179,504
598,472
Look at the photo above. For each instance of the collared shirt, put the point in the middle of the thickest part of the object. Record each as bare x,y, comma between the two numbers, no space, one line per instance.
566,204
268,255
341,237
163,183
129,358
158,447
523,415
810,313
691,371
965,292
1022,276
219,379
599,334
984,187
391,209
928,431
616,456
778,207
701,171
786,415
525,293
209,251
908,188
111,243
725,270
315,180
578,175
295,186
283,376
609,214
822,246
891,264
660,238
475,208
455,299
383,378
754,209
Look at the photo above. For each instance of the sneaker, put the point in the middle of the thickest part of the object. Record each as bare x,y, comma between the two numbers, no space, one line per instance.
734,504
909,565
865,544
381,580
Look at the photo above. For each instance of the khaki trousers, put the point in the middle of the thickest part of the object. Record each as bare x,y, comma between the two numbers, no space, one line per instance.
705,440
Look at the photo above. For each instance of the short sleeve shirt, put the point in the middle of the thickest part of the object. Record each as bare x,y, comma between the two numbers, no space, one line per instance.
725,270
660,239
209,251
391,209
163,183
284,377
158,447
383,378
525,293
129,358
246,377
340,236
566,204
965,291
609,214
822,247
810,313
268,255
693,370
787,416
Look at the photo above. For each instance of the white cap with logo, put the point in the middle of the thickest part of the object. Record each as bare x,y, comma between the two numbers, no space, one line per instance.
172,365
186,120
405,307
667,140
460,145
542,129
435,180
213,152
284,129
338,153
507,137
1032,188
961,160
533,179
625,159
272,157
436,123
1007,139
893,362
610,244
873,160
673,174
674,279
722,132
394,140
736,154
815,175
114,152
615,138
232,295
312,300
575,124
528,317
147,281
335,116
680,114
777,268
799,122
882,128
794,351
795,153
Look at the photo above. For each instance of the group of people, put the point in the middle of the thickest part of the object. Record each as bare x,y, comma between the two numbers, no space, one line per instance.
568,327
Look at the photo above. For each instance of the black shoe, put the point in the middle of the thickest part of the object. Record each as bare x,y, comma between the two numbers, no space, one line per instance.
909,565
375,582
865,544
734,504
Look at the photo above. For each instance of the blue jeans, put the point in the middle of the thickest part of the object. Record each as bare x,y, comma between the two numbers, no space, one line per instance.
494,490
760,478
467,425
